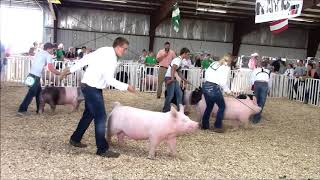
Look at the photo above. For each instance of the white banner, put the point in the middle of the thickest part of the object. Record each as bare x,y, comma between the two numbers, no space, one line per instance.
272,10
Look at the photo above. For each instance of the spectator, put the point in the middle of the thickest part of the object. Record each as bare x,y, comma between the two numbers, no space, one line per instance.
205,63
33,49
282,67
253,61
318,68
290,71
83,52
71,54
60,55
143,56
311,73
299,72
198,61
276,65
164,58
89,50
150,61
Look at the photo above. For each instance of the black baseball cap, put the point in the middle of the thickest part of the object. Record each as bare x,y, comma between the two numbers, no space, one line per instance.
48,46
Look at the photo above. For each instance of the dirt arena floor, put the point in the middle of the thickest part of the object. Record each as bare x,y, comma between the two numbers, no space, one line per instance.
286,145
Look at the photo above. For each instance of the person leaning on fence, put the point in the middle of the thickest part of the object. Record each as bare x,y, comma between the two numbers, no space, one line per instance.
312,74
299,72
216,81
164,58
150,61
40,60
172,85
102,64
260,79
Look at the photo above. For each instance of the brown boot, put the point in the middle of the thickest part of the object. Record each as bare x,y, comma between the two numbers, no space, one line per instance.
77,144
109,154
218,130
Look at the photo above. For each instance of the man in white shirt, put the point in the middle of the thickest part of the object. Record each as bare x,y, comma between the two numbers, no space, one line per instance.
102,64
262,83
172,85
216,81
40,60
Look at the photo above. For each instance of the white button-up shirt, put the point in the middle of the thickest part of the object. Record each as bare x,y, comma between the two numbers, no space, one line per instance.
218,74
102,64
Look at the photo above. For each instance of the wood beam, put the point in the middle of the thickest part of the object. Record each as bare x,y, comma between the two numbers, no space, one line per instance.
241,28
313,42
157,17
55,25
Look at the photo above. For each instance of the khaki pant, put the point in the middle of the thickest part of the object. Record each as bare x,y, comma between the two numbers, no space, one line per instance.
162,73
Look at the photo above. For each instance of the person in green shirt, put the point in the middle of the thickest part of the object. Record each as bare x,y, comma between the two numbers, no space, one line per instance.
206,63
60,55
150,61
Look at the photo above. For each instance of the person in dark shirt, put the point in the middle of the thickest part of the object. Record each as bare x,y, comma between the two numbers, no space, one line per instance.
83,52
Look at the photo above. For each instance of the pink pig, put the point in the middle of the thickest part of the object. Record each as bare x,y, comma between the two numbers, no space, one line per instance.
235,109
61,96
139,124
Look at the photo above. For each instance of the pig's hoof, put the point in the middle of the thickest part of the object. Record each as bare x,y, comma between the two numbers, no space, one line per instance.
172,156
151,157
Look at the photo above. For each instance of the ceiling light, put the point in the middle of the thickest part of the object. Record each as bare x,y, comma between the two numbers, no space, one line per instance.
301,19
211,10
118,1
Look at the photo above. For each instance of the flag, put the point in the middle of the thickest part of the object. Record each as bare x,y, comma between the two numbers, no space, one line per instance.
175,17
278,26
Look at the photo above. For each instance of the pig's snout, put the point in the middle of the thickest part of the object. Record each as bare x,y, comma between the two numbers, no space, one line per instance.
193,126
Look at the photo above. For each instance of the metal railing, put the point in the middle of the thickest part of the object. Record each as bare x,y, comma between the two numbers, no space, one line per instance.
145,79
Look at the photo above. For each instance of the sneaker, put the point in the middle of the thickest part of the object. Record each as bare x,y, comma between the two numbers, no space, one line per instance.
77,144
218,130
109,154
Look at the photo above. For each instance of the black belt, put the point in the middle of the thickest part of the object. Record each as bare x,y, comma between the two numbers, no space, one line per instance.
164,67
86,85
212,83
34,76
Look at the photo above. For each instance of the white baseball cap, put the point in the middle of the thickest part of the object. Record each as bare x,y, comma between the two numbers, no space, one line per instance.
254,54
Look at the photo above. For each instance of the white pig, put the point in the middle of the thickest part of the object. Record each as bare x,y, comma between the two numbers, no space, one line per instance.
139,124
235,109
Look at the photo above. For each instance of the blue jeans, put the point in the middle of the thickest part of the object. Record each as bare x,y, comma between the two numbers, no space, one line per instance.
212,94
261,93
34,91
172,89
94,109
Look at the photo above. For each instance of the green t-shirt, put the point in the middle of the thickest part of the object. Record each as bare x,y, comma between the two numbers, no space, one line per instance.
205,63
59,54
150,60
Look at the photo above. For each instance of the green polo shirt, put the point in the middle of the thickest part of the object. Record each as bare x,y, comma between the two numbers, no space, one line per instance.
59,54
205,63
150,60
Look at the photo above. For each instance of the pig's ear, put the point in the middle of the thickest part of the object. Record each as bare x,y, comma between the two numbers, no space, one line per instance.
181,107
173,112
